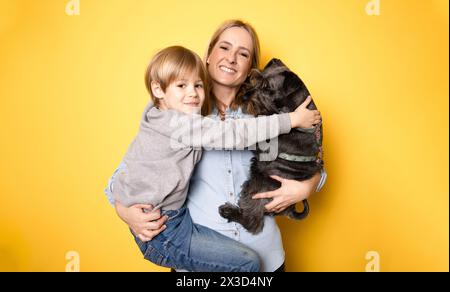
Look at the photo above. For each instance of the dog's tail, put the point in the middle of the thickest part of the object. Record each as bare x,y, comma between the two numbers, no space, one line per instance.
299,216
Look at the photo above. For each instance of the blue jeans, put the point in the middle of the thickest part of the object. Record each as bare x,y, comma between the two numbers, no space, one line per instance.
187,246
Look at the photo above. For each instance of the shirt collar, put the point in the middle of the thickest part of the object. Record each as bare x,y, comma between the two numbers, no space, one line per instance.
229,113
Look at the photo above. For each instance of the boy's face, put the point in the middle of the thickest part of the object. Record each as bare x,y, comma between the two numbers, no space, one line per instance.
185,94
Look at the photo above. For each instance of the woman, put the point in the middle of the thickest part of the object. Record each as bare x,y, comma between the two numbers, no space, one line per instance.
233,51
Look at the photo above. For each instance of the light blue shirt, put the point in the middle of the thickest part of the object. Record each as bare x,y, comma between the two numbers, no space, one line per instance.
218,178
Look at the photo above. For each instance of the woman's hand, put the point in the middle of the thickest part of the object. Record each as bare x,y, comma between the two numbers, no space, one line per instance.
290,192
303,117
144,225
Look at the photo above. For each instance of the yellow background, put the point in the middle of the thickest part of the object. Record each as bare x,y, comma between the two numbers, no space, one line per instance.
72,93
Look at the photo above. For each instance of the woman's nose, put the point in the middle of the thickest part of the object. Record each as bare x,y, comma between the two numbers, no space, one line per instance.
231,57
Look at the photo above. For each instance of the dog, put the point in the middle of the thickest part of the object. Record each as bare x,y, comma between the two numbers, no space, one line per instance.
276,90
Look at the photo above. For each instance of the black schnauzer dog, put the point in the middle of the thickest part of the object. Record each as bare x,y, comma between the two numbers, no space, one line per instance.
276,90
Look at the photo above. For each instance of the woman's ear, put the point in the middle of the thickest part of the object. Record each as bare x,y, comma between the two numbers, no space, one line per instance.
157,90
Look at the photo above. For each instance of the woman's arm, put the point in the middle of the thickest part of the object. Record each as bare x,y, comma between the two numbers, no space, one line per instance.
144,222
292,191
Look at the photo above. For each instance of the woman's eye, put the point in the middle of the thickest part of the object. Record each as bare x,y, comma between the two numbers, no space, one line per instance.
224,48
244,55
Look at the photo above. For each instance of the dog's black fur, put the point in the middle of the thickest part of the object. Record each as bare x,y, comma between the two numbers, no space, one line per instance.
275,90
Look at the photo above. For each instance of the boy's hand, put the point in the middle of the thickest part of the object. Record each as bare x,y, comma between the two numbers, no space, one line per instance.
303,117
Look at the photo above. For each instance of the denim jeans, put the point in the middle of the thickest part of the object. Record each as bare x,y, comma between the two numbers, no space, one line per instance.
184,245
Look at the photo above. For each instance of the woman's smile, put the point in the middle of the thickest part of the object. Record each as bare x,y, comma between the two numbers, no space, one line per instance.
228,70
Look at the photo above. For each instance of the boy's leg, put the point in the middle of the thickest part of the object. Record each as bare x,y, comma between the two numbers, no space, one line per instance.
213,251
188,246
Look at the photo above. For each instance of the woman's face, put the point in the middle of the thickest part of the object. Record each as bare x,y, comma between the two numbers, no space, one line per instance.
231,58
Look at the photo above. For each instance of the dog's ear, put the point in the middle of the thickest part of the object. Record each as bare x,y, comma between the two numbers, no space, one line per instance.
255,77
274,63
251,84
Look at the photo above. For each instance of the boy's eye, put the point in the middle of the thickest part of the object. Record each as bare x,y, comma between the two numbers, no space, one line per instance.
181,85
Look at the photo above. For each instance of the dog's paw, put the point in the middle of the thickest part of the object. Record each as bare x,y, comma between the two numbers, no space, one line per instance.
229,211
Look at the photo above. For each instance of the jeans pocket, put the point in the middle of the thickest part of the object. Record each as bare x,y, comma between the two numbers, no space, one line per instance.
173,213
153,255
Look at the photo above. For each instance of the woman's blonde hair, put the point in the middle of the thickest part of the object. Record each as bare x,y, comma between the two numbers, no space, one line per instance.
256,54
170,64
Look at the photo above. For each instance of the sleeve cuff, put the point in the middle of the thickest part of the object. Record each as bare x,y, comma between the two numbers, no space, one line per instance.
108,192
285,123
109,188
323,178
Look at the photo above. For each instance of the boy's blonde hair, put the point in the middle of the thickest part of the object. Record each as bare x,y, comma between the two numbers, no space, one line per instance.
172,63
